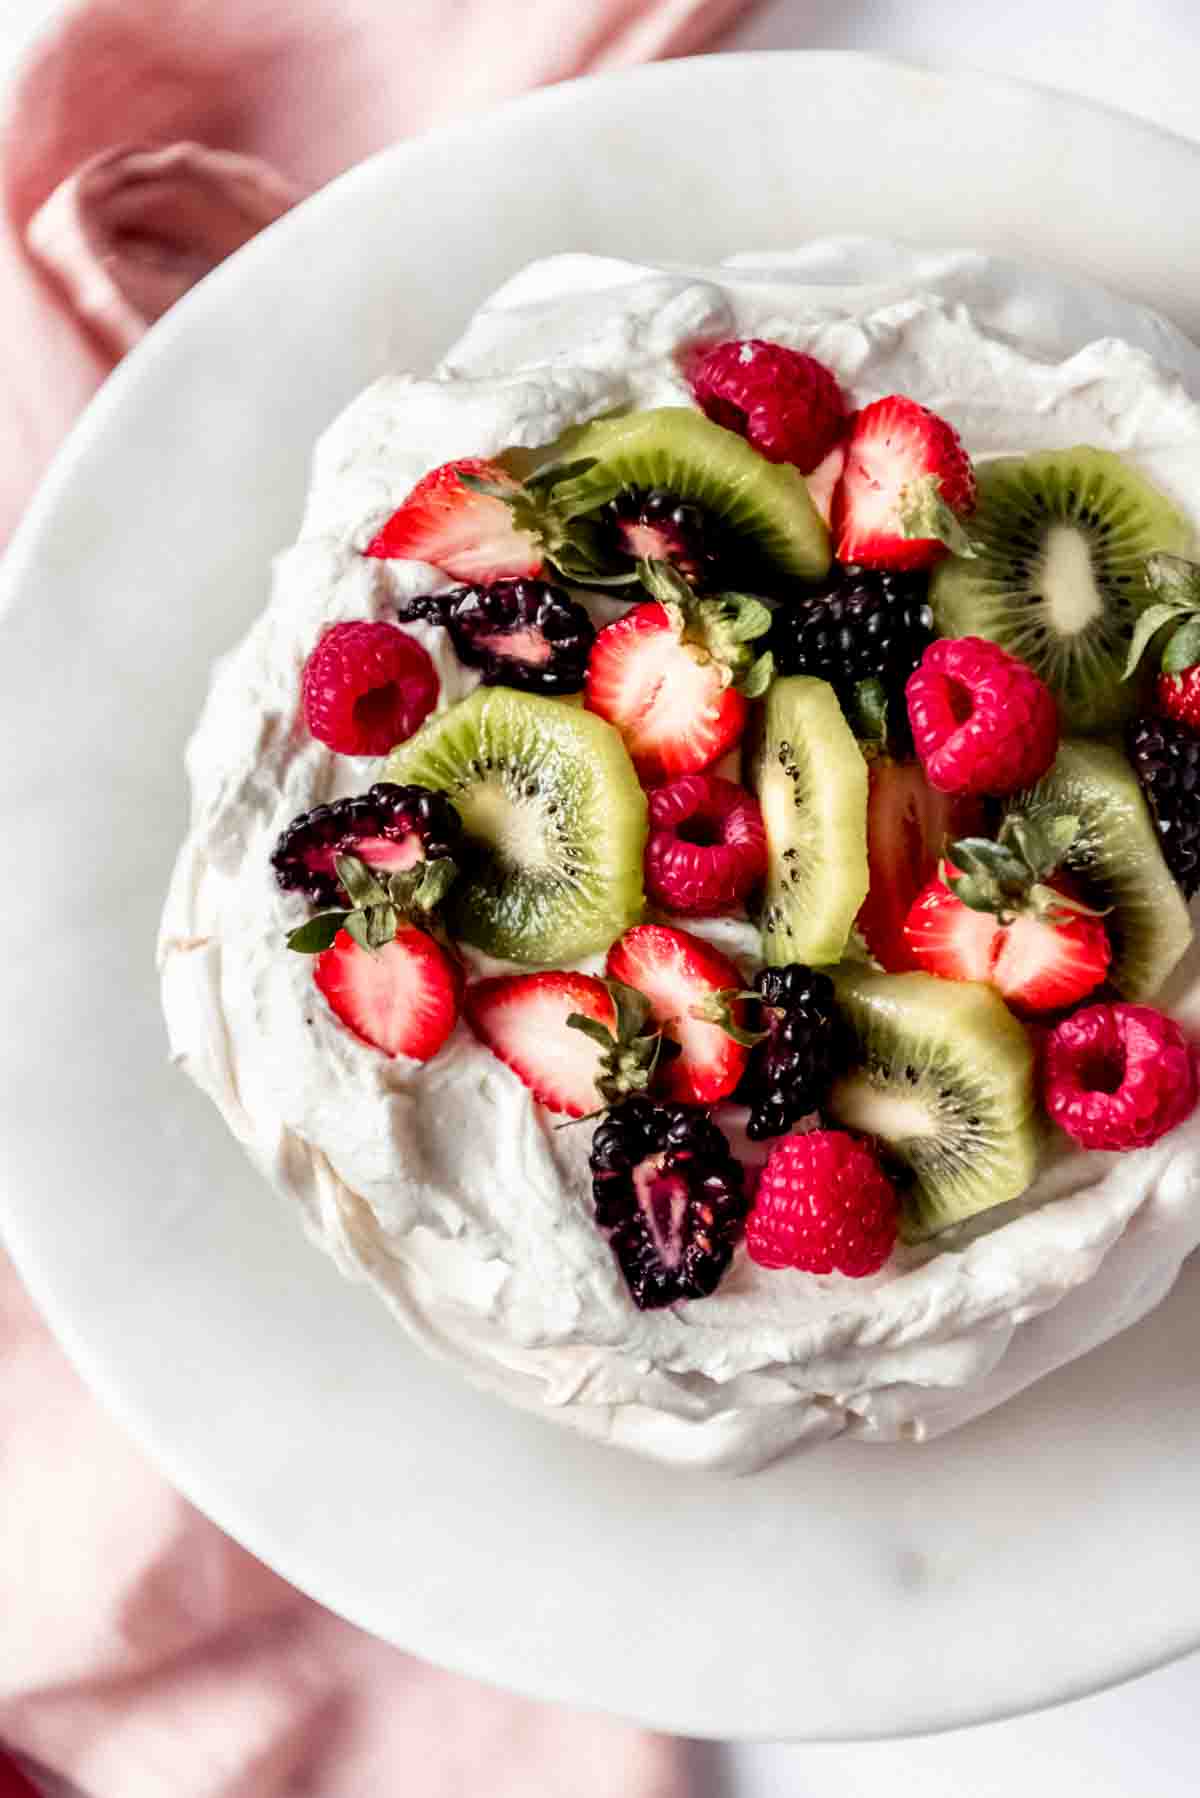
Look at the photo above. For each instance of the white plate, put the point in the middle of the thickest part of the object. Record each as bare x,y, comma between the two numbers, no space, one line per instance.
1044,1551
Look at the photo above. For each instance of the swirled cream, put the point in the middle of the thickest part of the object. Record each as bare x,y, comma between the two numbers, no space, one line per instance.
444,1185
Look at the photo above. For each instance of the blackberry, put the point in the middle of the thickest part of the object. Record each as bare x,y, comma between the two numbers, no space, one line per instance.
807,1046
653,524
521,633
866,624
1166,760
389,827
669,1198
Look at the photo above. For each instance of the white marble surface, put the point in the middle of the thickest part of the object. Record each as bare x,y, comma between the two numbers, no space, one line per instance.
1141,1738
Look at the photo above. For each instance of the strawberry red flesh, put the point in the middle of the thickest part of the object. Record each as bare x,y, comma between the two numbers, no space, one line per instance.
679,972
523,1020
1037,963
402,999
671,707
467,534
893,448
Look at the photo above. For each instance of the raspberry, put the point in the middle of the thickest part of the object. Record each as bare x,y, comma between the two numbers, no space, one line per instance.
390,828
1179,697
669,1198
823,1205
982,722
1166,759
788,405
707,846
366,687
805,1048
1118,1076
656,525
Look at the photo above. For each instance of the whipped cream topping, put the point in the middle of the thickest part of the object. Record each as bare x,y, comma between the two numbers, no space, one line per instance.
444,1185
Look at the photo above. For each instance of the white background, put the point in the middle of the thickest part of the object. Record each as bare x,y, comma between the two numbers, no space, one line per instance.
1142,1740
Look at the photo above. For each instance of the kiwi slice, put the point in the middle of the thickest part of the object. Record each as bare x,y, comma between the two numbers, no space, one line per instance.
811,781
766,504
1117,857
945,1080
1059,574
555,821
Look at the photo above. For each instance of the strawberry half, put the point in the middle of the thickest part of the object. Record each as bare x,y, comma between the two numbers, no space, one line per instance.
674,676
1011,921
906,485
682,976
909,824
401,998
470,535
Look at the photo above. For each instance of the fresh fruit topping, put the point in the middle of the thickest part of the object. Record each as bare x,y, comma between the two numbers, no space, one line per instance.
692,990
390,829
805,1046
366,687
554,818
1001,913
659,527
1171,628
376,904
761,509
672,676
669,1198
982,721
1117,859
1118,1076
909,824
823,1205
906,486
401,996
864,625
944,1079
1166,760
811,782
576,1042
1178,697
822,482
1059,573
521,633
788,405
470,534
707,848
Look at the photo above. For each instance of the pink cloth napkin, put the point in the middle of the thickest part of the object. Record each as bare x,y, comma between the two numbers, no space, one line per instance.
142,1653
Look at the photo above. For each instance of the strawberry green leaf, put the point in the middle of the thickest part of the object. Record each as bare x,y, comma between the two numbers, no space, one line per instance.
717,1009
924,514
1183,648
357,924
360,883
758,676
316,934
1152,620
1175,579
664,583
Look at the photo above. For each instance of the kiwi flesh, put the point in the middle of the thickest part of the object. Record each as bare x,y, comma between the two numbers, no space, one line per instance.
555,821
944,1079
1118,861
811,781
764,504
1059,575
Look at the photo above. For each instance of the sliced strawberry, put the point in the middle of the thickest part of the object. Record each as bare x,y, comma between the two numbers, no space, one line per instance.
672,707
402,998
909,824
1037,963
680,974
471,536
523,1020
906,472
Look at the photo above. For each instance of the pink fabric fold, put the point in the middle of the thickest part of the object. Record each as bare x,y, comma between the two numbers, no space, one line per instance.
142,1653
144,139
